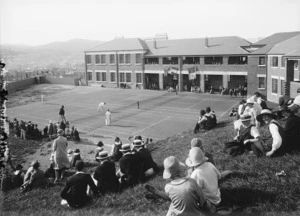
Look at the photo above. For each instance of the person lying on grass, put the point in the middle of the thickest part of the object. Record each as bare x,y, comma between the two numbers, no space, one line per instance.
185,195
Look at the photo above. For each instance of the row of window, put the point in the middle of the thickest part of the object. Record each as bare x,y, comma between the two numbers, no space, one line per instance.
124,77
123,59
274,62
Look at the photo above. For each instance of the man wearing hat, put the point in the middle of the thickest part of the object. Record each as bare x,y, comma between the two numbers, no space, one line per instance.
206,175
273,142
62,113
291,129
185,195
61,161
130,167
76,157
74,193
116,154
105,174
149,167
295,106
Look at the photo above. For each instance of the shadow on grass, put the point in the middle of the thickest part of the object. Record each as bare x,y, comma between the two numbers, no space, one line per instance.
242,198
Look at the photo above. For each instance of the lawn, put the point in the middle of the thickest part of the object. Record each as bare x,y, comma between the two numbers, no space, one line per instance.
256,190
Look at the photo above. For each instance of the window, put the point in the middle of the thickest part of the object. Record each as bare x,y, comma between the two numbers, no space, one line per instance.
103,59
121,58
282,85
128,77
282,62
138,78
274,85
103,76
138,58
90,76
112,77
98,76
262,61
88,59
100,59
127,58
191,60
97,59
152,61
237,60
213,60
261,82
111,59
274,61
122,77
170,60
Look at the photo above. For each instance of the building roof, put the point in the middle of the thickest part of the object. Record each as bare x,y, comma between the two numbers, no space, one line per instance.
287,46
293,54
121,44
197,46
272,40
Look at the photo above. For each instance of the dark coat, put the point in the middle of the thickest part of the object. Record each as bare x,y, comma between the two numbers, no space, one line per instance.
131,166
146,158
292,133
105,174
75,190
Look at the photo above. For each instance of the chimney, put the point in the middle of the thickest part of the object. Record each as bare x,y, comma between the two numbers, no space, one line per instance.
206,42
154,43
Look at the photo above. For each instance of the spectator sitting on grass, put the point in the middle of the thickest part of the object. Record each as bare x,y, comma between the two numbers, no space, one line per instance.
198,142
116,154
70,155
295,106
206,175
211,118
149,167
291,129
17,177
68,132
76,135
76,157
273,142
201,123
36,179
74,194
105,174
185,195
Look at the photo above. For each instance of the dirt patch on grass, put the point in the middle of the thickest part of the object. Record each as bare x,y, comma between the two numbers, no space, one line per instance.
33,94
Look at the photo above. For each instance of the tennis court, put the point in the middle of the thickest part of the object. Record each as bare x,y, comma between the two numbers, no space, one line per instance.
160,115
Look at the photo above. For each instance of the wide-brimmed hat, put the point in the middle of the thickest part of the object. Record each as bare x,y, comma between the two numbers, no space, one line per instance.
138,143
243,101
173,166
103,155
118,141
196,142
125,148
76,152
265,112
245,117
35,163
60,132
250,101
70,151
196,157
296,101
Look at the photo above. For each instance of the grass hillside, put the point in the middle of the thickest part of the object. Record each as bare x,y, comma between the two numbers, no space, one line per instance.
256,190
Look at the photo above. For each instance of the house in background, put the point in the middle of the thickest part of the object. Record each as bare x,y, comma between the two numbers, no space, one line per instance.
266,65
159,63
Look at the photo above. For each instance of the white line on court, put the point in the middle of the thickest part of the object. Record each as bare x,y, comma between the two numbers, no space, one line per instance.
221,116
152,125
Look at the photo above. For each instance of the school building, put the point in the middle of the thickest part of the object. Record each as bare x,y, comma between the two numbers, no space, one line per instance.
199,63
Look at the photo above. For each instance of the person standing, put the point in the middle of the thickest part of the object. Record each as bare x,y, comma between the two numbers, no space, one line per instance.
101,106
61,161
62,113
107,117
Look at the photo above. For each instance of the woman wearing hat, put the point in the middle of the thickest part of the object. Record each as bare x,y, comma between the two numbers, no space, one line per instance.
273,143
250,110
105,174
61,161
36,178
206,175
185,195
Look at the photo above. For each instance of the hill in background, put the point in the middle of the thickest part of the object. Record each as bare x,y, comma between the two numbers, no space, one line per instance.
52,55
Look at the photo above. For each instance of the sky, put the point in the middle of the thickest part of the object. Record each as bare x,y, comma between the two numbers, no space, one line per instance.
36,22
